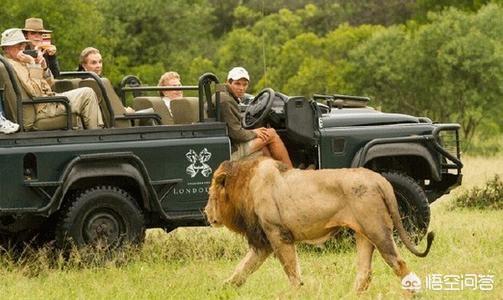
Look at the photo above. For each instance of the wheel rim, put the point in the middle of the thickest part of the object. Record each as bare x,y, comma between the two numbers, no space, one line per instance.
103,226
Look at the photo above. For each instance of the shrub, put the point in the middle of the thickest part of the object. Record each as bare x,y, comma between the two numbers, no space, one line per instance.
488,197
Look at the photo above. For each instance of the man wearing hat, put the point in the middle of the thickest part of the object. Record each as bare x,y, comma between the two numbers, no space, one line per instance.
35,32
246,142
36,82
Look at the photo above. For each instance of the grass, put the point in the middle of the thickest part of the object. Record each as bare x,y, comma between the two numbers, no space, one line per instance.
191,263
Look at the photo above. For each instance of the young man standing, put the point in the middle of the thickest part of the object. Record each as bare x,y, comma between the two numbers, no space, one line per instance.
244,141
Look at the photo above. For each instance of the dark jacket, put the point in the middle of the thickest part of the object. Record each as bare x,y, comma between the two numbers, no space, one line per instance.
229,112
52,64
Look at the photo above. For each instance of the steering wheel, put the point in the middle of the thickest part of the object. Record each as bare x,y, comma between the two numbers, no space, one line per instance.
258,108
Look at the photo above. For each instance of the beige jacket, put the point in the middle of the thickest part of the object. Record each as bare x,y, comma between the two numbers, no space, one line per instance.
35,81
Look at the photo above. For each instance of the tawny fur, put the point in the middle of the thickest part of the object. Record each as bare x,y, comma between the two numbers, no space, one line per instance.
275,207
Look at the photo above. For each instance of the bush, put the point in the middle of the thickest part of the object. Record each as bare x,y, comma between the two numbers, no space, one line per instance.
488,197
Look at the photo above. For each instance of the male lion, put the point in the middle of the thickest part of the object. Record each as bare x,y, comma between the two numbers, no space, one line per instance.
275,207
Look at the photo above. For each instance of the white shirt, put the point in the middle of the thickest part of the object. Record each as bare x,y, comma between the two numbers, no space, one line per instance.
167,101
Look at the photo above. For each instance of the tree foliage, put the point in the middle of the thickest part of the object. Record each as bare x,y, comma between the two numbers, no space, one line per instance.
442,59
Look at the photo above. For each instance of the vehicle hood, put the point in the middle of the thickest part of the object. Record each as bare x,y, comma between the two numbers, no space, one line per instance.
363,117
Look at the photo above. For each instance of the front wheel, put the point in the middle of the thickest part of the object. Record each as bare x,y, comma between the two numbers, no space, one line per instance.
101,216
412,204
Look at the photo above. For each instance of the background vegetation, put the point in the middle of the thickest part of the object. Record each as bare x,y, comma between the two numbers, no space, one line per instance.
489,196
192,263
441,59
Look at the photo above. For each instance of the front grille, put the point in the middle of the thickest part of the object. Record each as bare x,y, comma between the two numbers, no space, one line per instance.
449,141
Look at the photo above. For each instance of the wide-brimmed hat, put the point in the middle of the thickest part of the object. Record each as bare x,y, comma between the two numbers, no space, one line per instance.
238,73
13,36
35,25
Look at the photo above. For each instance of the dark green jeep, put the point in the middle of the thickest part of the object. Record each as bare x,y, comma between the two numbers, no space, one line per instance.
111,184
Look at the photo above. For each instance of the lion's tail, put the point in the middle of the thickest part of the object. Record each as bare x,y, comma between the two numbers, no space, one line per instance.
392,205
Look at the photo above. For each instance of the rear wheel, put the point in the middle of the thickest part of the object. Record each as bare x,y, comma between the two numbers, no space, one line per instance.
103,216
412,204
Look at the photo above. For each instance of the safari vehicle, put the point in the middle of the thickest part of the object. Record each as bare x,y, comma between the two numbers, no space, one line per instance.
111,184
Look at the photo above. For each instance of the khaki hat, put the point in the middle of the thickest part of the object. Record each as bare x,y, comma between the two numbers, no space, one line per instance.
13,36
237,73
35,25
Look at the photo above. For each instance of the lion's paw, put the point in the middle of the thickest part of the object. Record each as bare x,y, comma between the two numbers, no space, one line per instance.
236,282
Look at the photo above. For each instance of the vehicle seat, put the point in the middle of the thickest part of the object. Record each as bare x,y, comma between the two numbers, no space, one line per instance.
14,94
117,108
185,110
122,119
65,85
144,102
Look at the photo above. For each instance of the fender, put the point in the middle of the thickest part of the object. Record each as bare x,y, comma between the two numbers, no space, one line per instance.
399,149
109,169
103,165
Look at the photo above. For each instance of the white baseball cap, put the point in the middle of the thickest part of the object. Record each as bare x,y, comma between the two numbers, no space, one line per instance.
13,36
237,73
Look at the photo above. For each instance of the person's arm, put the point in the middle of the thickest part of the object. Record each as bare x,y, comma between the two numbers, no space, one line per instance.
52,64
23,74
231,116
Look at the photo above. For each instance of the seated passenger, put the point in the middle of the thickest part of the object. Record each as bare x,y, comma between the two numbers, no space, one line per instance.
40,40
170,78
245,142
36,80
91,61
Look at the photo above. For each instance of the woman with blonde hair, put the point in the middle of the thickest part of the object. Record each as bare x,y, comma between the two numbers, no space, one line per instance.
170,78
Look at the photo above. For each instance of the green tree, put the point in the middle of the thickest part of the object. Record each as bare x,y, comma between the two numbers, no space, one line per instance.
450,69
383,12
157,36
423,7
75,25
256,48
379,69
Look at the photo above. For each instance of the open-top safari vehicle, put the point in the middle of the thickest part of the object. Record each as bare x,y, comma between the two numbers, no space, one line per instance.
110,184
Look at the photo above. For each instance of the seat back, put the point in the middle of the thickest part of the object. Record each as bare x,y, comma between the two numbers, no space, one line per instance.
160,108
115,103
185,110
64,85
115,108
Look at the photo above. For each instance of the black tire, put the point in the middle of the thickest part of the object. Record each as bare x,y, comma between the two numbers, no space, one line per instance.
101,216
5,241
412,204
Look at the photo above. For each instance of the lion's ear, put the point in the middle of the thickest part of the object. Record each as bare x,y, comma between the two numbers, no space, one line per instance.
222,172
220,179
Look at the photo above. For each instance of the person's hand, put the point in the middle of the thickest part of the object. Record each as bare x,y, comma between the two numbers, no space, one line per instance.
49,49
41,60
25,58
262,133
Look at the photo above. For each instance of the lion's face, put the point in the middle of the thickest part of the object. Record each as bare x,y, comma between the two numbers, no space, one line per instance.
216,196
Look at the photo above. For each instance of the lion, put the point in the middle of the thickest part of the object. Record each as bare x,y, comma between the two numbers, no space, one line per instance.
274,207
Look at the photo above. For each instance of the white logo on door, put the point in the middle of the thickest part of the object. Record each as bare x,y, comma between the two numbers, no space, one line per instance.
198,163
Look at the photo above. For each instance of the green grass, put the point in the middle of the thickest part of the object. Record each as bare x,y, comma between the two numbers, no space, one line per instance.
192,263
